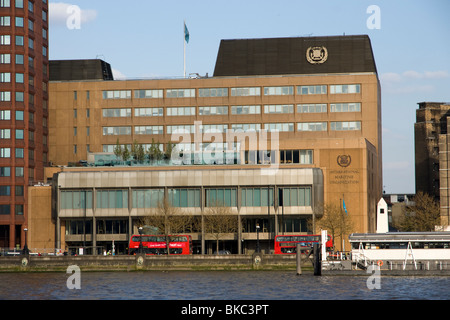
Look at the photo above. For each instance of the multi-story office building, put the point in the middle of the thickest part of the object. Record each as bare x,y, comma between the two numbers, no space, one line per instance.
23,110
317,100
432,144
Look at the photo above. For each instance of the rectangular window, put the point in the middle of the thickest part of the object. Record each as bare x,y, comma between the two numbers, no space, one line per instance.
19,77
5,133
116,131
147,198
5,209
210,111
312,126
5,190
345,107
184,198
312,108
6,114
19,22
242,92
345,126
221,197
278,91
148,94
19,153
246,110
281,127
148,112
312,90
5,171
19,115
5,3
19,171
19,59
19,134
19,3
5,40
345,88
117,113
19,41
180,93
112,199
295,197
5,152
279,108
76,199
117,94
5,77
19,96
181,111
5,58
5,21
181,129
148,130
256,197
296,156
246,126
213,92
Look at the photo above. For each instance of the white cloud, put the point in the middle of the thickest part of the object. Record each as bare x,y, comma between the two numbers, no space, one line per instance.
396,165
411,81
60,12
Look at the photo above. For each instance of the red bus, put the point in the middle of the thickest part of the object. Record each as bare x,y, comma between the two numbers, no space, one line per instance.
154,244
287,244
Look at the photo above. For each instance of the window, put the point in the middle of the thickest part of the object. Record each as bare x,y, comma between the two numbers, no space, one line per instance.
257,197
116,113
19,171
19,134
345,107
5,40
296,156
6,114
117,94
5,190
19,153
5,58
180,129
345,88
5,3
281,127
206,111
295,197
148,112
184,198
147,198
246,126
116,131
312,108
180,93
18,209
5,77
5,96
5,152
148,94
240,92
19,59
279,108
5,171
312,126
246,110
345,125
5,21
111,199
19,22
19,77
18,191
5,209
19,3
19,41
213,92
312,90
5,133
278,91
76,199
221,197
19,96
181,111
149,130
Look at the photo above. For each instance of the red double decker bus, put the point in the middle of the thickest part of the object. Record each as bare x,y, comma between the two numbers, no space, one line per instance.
157,244
287,244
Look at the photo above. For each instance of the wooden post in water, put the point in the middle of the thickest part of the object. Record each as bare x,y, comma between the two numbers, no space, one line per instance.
299,258
317,260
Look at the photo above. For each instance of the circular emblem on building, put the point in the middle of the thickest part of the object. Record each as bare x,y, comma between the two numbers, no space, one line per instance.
344,160
316,55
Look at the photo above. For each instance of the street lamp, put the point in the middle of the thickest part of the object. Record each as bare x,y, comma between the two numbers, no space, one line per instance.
25,247
258,250
141,248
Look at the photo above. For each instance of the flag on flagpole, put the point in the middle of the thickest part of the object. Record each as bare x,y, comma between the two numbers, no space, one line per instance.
345,208
186,33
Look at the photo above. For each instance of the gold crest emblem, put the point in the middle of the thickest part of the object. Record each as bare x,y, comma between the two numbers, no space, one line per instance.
344,160
316,55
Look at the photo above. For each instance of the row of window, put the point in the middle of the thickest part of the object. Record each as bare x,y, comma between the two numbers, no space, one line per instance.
5,40
5,209
223,110
6,190
19,153
19,4
186,198
234,92
222,128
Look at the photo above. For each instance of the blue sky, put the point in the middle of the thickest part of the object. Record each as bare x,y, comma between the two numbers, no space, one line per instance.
144,38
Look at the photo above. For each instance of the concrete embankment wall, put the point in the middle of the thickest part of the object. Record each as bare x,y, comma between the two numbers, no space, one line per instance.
130,263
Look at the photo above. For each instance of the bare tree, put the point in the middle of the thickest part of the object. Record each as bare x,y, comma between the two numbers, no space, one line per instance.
168,219
335,220
219,221
422,215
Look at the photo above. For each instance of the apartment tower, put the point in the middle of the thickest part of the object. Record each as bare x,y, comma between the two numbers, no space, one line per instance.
23,111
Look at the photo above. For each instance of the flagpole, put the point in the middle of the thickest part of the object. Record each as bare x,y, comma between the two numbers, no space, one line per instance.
184,47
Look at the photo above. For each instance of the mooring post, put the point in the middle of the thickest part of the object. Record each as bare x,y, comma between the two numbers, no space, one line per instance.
299,259
317,260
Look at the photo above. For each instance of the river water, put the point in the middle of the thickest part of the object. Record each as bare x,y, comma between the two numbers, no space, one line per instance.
217,285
